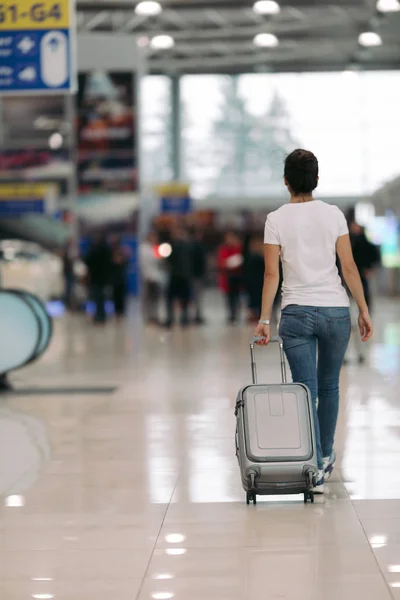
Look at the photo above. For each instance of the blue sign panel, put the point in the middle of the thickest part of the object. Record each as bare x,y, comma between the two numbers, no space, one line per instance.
176,206
17,199
33,61
15,208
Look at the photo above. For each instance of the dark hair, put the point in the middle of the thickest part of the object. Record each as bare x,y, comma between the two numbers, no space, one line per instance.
301,171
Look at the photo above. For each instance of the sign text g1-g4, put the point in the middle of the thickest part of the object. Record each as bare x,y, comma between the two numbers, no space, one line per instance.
28,14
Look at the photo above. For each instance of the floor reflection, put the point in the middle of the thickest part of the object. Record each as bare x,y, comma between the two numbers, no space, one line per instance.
140,495
24,451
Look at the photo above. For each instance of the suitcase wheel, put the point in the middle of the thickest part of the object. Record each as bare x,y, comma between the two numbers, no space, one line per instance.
251,497
312,480
309,495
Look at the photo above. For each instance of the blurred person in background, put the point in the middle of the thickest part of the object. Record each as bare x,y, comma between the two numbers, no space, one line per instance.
254,276
119,276
153,278
68,258
367,258
180,276
230,266
199,256
100,267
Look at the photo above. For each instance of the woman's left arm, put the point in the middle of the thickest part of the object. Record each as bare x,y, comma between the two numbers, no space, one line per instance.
270,288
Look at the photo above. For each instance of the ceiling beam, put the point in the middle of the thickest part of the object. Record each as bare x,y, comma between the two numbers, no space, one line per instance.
321,53
217,4
318,23
96,20
133,22
303,66
169,64
232,37
217,17
297,65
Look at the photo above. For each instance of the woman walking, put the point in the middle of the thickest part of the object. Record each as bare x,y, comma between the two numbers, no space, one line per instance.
315,326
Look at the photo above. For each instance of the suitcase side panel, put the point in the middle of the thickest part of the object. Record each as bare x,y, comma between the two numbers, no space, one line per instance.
278,423
273,477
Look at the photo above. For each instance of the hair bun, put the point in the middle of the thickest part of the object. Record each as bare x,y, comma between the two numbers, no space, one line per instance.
306,160
309,163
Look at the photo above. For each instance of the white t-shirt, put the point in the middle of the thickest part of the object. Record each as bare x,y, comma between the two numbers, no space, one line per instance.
307,233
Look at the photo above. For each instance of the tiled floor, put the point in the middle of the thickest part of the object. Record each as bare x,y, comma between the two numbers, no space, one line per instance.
137,496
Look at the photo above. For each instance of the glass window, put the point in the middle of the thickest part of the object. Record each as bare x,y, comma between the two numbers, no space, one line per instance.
156,130
237,130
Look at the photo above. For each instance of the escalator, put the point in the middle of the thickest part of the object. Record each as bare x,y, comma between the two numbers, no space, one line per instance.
25,329
42,230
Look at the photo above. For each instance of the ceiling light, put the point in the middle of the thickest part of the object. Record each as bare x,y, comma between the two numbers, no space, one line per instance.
162,42
369,39
43,596
55,141
266,40
266,7
148,8
162,595
386,6
163,576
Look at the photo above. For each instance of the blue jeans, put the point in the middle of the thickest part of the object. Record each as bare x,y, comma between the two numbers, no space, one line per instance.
306,330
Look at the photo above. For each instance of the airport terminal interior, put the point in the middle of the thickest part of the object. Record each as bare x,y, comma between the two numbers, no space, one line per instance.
142,148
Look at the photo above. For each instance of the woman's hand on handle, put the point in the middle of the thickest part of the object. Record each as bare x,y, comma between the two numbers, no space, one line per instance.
263,331
365,325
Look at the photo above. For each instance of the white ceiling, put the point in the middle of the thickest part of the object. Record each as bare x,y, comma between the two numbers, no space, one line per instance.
216,36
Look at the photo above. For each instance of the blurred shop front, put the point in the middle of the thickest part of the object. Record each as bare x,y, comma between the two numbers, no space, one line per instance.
69,162
108,182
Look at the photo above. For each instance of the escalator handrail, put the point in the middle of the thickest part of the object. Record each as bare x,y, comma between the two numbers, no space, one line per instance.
28,297
39,327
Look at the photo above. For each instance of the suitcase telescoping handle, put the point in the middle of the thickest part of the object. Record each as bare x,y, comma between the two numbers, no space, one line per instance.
276,340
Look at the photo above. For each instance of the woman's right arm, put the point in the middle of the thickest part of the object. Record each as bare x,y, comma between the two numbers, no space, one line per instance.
353,281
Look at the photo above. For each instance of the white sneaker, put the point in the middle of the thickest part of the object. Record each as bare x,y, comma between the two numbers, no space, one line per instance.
329,464
319,486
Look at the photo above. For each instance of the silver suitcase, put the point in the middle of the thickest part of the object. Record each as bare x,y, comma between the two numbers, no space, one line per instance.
275,439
